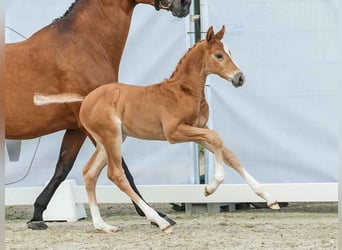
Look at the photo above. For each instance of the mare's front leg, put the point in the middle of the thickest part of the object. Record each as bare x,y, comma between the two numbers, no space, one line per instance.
71,144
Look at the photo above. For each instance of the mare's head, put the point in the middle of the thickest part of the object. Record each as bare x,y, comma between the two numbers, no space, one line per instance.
220,61
178,8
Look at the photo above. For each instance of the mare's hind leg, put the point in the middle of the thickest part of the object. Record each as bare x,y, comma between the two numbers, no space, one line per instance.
71,144
230,160
137,208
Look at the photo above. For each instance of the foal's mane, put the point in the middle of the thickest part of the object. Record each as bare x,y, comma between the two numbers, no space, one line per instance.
67,12
186,55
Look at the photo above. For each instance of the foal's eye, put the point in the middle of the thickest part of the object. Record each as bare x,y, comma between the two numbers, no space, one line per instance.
219,56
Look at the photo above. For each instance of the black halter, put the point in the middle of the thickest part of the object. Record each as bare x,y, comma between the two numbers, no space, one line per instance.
158,5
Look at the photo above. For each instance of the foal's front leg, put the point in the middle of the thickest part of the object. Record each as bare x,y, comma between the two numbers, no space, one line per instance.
230,160
210,140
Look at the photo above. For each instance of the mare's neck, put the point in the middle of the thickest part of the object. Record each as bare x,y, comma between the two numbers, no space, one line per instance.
102,24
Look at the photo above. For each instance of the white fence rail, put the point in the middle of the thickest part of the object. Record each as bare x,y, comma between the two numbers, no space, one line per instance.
226,193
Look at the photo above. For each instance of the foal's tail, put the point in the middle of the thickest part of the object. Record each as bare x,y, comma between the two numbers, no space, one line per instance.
43,99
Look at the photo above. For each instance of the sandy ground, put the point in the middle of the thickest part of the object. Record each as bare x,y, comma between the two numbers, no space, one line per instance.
298,226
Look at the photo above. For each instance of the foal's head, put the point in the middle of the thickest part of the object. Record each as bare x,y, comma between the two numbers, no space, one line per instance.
219,60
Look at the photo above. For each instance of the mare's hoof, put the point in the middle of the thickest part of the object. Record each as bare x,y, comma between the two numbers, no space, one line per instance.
37,225
274,205
172,222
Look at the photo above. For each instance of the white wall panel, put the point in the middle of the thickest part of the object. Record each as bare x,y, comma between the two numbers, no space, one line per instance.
282,123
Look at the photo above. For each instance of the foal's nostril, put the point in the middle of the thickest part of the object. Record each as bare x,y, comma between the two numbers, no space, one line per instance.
241,79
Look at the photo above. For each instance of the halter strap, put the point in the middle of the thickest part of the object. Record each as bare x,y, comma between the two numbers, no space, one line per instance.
157,4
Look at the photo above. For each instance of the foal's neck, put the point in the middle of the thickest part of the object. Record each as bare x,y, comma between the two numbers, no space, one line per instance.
190,71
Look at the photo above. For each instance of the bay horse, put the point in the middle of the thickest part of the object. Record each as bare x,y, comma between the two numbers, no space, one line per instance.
174,110
75,53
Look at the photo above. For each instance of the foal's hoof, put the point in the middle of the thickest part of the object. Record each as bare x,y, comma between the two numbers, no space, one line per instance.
206,192
168,230
37,225
274,205
111,229
172,222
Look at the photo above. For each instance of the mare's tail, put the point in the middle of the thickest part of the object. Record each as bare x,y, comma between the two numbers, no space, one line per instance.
43,99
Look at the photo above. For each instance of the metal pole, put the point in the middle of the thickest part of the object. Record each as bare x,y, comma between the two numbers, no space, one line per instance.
197,37
197,20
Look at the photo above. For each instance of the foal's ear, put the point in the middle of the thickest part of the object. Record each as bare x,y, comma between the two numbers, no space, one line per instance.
210,34
219,35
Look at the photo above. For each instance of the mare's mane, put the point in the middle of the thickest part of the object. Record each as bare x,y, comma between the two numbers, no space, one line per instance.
67,12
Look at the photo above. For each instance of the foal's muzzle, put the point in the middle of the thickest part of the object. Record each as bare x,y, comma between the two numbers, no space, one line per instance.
238,79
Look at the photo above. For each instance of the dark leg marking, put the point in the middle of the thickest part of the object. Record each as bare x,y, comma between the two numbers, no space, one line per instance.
71,145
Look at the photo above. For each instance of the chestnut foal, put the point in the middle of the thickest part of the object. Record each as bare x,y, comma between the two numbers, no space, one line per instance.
174,110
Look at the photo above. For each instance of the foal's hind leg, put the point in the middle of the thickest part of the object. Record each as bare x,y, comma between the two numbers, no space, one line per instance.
109,137
117,175
91,172
131,182
230,160
71,144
